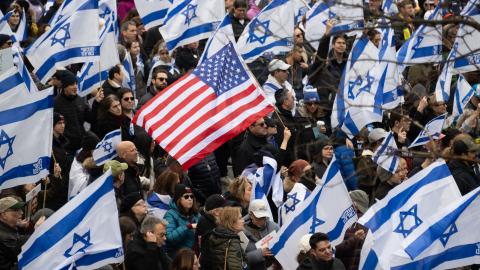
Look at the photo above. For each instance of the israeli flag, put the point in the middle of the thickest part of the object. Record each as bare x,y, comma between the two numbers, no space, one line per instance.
94,73
158,205
108,11
152,12
106,149
129,78
222,36
327,209
72,40
386,154
425,44
270,32
297,195
188,21
444,82
316,22
300,9
463,93
403,210
22,69
66,9
447,240
432,130
26,145
83,234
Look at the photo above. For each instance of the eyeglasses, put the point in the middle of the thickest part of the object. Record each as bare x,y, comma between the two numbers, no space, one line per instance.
128,99
188,196
162,79
162,234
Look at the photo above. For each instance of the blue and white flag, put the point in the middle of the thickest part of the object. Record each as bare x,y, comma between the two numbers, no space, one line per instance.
12,84
5,27
66,9
447,240
72,40
152,12
297,195
327,209
222,36
300,9
270,32
94,73
386,154
22,69
22,30
188,21
463,93
83,234
316,22
425,44
432,130
158,205
444,82
106,149
129,80
25,145
403,210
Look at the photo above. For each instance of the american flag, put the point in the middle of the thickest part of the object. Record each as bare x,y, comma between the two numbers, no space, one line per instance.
204,109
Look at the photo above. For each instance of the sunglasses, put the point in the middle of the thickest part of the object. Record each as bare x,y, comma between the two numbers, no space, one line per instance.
187,196
162,79
129,99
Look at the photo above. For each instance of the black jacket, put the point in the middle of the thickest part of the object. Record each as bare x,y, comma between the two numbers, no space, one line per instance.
464,176
237,26
205,176
109,89
132,180
11,242
142,255
251,144
312,264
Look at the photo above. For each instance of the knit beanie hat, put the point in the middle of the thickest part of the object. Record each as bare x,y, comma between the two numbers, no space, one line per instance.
129,201
181,189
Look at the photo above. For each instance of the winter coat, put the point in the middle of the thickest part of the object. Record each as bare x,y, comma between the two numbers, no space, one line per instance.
243,156
344,156
205,176
144,255
254,234
11,242
110,88
464,176
131,182
237,26
179,231
310,263
147,97
221,250
110,122
348,251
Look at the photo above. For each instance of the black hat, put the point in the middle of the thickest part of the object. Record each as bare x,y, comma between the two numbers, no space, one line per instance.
215,201
57,118
4,38
67,78
89,141
129,201
181,189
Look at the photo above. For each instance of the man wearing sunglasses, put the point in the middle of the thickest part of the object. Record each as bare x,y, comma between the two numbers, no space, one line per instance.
159,82
5,41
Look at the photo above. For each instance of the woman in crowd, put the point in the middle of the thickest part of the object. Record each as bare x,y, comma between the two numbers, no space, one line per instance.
182,220
110,117
158,199
322,158
185,260
133,206
239,193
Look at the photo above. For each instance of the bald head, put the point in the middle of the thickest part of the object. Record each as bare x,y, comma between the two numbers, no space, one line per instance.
127,151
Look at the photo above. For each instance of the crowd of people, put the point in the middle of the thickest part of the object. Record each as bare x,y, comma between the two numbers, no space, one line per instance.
176,219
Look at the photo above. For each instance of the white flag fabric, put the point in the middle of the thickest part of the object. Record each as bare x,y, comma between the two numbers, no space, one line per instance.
22,69
327,209
83,234
432,130
447,240
442,88
158,204
66,9
152,12
129,76
315,25
425,44
297,195
385,155
22,30
72,40
5,27
463,93
222,36
300,9
405,207
26,145
94,73
106,149
188,21
270,32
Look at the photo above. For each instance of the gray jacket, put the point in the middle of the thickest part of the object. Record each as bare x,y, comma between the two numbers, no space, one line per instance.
254,256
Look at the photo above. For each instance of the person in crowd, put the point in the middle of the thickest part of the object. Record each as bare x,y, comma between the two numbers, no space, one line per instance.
221,249
139,64
118,174
146,249
238,17
5,41
159,198
128,228
159,82
427,109
128,32
134,207
305,248
127,101
375,37
403,22
114,82
298,70
146,159
110,117
127,153
14,19
162,59
211,211
257,226
185,259
186,57
295,172
182,220
321,159
311,110
321,255
239,193
388,180
277,79
299,41
400,125
462,165
205,177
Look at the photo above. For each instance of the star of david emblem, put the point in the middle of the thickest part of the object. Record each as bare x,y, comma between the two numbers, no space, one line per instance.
105,12
80,243
405,227
417,43
368,86
351,84
37,166
262,27
296,201
451,230
315,223
62,35
6,147
331,15
189,13
107,146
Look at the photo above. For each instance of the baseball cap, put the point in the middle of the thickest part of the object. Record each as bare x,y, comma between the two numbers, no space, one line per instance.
276,64
258,208
10,203
215,201
377,134
117,167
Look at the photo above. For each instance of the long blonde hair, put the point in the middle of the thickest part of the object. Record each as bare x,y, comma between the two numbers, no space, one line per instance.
228,217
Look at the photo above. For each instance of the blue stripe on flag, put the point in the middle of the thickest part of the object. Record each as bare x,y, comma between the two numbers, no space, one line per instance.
11,82
174,11
26,170
96,78
371,261
395,203
259,50
65,226
23,112
344,218
105,158
89,259
274,4
154,16
191,32
350,124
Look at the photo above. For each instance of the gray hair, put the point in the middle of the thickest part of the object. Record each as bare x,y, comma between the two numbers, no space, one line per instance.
149,224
